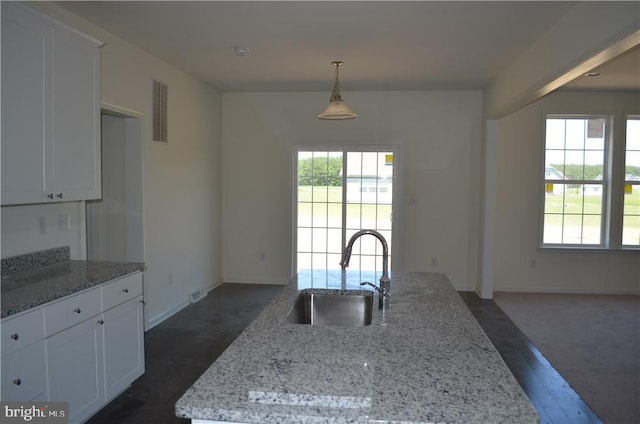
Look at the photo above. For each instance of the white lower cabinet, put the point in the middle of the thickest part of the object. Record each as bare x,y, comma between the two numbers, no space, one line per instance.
75,359
84,349
24,374
123,345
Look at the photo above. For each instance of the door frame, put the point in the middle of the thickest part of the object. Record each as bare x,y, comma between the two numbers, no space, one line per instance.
398,193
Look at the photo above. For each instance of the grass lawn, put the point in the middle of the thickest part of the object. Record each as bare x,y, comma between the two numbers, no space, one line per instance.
574,218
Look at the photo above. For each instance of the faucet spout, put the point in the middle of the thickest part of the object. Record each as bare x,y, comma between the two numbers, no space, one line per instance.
385,281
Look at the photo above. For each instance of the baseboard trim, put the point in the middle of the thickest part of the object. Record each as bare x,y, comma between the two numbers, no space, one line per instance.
178,307
563,290
166,314
267,281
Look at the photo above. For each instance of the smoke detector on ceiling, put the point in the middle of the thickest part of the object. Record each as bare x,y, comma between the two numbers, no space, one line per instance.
241,51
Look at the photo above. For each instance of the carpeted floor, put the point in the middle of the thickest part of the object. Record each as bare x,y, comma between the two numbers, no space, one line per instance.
593,341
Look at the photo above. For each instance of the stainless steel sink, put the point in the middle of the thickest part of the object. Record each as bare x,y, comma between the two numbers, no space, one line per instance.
332,307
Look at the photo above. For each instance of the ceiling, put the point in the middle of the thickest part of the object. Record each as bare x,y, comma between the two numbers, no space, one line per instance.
385,45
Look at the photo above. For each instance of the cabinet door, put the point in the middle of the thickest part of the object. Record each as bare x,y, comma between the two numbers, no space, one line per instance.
75,371
123,345
26,146
23,374
76,103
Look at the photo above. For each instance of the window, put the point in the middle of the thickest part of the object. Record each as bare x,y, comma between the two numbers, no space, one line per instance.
591,182
576,180
337,194
631,208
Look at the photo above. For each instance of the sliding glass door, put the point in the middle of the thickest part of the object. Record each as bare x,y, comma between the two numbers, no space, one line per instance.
337,193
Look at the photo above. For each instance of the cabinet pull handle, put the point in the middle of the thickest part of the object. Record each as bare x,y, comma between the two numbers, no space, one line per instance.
101,321
17,382
15,336
59,196
50,195
77,310
126,290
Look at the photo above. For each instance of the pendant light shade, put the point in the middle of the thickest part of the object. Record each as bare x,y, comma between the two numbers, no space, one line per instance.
337,108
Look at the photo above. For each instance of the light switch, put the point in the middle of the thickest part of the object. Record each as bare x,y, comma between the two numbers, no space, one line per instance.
64,222
43,225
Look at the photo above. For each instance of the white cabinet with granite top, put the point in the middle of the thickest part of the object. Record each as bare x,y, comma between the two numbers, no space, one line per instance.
84,348
50,110
93,359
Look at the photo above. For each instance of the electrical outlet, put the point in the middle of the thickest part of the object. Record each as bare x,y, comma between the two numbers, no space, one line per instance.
434,261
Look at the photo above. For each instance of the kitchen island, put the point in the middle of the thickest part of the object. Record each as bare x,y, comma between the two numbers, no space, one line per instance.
425,361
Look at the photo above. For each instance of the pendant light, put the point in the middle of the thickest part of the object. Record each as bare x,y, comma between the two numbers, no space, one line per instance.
337,108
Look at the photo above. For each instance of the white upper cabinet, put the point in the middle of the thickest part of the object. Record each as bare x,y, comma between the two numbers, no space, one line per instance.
50,110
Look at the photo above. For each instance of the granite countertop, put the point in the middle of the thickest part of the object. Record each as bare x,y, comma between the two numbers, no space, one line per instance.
425,361
44,281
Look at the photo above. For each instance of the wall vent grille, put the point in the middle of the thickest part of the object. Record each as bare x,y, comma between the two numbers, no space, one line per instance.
160,112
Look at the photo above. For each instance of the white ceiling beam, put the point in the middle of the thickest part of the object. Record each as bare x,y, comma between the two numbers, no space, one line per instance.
589,34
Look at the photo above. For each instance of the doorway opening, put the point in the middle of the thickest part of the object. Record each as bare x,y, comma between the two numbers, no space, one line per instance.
115,227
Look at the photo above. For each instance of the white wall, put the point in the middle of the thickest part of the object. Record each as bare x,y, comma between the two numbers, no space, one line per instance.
21,229
182,179
518,195
439,134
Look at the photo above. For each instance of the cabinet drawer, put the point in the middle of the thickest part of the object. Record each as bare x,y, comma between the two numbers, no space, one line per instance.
71,310
23,374
21,331
121,290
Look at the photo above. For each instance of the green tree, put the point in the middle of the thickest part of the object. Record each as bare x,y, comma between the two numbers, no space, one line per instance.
320,171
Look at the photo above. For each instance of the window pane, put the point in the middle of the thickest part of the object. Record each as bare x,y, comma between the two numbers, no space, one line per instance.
575,134
632,166
555,134
633,133
573,200
592,200
552,229
334,241
319,240
304,239
353,216
334,215
384,217
591,229
304,214
554,198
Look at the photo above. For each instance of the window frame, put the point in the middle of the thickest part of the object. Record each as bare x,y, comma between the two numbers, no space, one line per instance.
635,184
613,181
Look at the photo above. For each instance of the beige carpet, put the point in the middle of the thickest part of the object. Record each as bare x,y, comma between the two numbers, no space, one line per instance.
593,341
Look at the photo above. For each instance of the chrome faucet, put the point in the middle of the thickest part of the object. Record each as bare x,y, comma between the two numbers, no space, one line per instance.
384,291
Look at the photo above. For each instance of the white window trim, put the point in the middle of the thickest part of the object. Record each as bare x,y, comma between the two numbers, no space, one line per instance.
613,199
397,194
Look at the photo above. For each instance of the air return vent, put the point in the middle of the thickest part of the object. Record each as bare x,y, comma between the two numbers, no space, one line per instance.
160,112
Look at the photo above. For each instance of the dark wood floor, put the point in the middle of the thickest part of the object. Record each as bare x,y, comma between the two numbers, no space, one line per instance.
181,348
